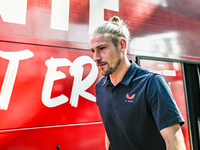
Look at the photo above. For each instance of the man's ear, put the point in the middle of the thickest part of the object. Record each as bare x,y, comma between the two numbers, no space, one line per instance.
122,44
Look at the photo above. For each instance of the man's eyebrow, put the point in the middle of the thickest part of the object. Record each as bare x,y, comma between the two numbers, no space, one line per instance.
99,46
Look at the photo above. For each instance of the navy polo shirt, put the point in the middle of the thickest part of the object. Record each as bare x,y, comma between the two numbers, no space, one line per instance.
136,109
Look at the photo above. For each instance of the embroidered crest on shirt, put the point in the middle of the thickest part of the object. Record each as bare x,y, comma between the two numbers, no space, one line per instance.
130,98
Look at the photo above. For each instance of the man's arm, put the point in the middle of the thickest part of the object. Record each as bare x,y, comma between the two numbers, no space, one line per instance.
107,142
173,137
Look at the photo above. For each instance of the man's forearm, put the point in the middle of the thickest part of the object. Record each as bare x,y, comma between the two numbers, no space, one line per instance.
173,137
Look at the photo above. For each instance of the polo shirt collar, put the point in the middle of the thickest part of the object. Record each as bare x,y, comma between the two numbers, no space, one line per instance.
107,80
127,77
129,74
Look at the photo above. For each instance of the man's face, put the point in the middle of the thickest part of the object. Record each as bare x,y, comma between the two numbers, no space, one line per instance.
105,54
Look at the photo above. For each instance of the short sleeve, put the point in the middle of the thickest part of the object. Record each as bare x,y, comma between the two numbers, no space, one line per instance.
162,103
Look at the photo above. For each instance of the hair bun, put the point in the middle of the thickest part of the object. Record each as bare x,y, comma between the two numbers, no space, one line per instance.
116,20
115,29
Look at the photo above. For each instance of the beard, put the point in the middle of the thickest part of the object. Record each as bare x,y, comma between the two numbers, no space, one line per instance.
110,69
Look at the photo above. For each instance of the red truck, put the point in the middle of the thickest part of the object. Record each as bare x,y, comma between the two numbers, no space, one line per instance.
47,76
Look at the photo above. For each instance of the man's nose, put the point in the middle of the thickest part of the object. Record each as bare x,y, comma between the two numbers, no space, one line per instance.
96,56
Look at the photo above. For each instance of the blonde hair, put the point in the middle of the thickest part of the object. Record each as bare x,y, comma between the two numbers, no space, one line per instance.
115,29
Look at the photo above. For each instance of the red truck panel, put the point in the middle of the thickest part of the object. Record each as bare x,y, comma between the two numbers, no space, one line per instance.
41,40
26,108
76,137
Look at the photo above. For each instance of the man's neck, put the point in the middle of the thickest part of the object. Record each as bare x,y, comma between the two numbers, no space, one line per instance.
119,73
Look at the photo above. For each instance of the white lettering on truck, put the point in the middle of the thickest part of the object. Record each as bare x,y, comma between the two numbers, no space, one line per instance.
14,11
50,77
79,85
60,15
11,72
76,70
97,11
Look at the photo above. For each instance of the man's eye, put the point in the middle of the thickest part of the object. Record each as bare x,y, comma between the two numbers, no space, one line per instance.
101,48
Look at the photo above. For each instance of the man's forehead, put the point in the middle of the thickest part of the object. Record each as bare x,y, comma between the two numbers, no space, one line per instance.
99,37
98,40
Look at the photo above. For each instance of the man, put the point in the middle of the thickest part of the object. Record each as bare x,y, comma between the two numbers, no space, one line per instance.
136,105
